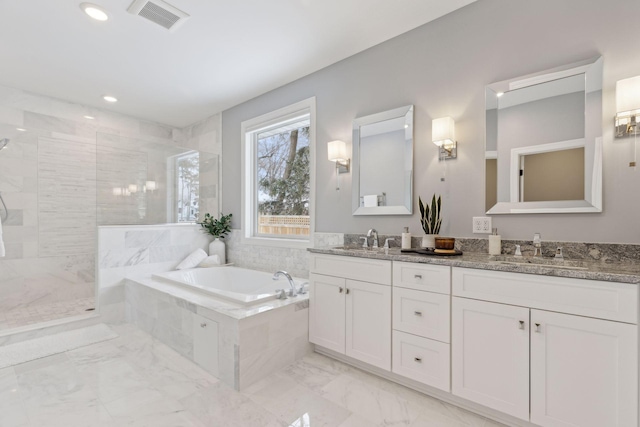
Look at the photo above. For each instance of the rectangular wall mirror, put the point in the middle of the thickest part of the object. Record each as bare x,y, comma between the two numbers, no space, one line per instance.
383,163
544,142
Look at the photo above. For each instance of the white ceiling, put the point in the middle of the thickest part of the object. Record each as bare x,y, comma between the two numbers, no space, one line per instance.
226,53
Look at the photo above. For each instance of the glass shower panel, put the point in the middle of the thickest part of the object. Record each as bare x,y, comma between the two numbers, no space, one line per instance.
47,182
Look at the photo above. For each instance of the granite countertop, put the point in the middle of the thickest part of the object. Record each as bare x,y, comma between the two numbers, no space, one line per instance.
579,269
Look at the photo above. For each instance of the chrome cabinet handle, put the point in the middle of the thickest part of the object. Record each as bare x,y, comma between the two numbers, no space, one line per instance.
538,330
418,276
417,313
340,289
521,324
203,325
418,359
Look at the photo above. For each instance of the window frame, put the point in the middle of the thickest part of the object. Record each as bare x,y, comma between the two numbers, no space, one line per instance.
249,130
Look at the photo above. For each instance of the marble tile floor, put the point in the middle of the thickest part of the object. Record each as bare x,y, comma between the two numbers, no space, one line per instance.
134,380
25,316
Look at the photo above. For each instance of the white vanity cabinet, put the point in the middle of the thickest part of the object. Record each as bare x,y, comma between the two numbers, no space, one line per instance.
421,323
512,351
350,307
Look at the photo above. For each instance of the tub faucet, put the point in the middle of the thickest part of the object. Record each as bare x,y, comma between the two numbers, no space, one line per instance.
375,237
277,274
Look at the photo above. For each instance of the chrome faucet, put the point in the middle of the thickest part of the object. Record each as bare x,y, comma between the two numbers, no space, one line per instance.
537,245
277,274
375,237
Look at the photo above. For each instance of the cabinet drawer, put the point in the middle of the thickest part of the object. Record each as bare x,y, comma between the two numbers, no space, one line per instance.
592,298
422,360
363,269
421,313
422,277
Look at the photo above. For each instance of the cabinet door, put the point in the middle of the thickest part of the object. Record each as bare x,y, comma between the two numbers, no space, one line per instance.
368,324
584,372
205,343
490,355
326,311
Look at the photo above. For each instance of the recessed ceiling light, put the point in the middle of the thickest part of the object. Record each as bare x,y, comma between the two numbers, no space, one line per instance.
499,94
21,130
110,98
94,11
89,117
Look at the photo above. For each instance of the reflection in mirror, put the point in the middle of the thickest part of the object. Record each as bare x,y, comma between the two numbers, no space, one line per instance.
544,142
383,163
139,182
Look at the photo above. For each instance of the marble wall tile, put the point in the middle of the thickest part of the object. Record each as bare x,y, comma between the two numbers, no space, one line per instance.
123,258
146,238
66,197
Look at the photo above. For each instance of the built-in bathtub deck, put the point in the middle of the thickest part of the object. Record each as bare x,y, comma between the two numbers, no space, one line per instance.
252,341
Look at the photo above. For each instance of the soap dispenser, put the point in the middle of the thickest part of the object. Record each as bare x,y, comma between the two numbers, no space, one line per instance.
406,239
495,243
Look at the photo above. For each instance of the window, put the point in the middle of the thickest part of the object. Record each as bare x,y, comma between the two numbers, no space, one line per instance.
187,182
278,175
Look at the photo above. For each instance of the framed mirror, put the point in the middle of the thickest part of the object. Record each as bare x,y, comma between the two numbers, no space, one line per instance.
543,142
383,163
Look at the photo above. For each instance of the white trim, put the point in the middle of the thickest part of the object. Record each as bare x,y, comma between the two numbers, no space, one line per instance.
252,126
516,153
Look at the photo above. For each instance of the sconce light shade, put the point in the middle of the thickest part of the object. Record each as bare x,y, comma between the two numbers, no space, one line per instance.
628,94
627,106
150,185
117,191
133,188
443,134
337,152
443,131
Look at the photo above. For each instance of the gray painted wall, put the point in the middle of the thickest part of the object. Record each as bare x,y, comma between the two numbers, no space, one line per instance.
442,68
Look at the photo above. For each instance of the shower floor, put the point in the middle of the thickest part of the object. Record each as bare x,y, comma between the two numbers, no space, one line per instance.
26,316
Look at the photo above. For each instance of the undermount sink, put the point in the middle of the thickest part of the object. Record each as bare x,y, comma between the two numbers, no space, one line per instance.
540,262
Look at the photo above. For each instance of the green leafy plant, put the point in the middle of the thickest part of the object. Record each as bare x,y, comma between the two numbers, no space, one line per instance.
216,227
430,215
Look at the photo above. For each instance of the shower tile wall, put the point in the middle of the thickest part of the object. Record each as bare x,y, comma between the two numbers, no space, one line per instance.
57,180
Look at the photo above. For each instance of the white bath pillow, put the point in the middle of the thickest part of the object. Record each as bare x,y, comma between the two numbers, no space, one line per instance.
192,260
210,261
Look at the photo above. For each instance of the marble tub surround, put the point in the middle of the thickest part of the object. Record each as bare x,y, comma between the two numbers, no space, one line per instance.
622,272
139,251
253,342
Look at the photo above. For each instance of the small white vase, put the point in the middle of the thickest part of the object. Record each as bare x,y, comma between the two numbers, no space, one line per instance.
217,247
429,241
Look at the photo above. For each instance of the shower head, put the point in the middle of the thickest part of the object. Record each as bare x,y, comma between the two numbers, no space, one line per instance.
3,142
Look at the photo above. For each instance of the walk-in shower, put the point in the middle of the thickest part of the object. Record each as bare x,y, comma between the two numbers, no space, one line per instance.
4,213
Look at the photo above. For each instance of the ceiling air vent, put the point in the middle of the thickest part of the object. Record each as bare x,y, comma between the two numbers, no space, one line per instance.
160,12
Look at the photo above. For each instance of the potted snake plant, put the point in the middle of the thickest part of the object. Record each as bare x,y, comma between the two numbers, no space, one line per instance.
430,220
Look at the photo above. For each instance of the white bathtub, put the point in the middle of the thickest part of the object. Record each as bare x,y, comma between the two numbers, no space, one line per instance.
239,285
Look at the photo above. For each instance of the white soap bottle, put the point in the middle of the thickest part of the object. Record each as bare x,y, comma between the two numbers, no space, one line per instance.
495,243
406,239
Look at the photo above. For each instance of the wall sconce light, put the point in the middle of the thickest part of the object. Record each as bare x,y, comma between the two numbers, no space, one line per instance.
117,191
337,151
443,135
627,107
149,186
133,188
